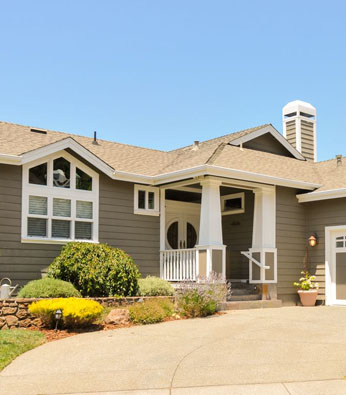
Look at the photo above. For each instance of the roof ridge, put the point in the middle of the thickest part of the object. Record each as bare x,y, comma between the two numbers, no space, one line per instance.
78,135
216,153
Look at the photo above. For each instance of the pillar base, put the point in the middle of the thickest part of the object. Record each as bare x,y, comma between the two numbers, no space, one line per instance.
211,258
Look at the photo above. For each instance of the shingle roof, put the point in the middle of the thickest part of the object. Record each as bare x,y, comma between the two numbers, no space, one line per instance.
227,138
18,139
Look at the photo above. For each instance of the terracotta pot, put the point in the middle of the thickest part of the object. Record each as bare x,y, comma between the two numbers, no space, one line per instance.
308,298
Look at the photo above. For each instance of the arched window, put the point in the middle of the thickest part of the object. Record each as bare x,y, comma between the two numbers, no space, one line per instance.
60,200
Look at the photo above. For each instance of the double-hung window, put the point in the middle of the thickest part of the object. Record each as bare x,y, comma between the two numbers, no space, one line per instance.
59,201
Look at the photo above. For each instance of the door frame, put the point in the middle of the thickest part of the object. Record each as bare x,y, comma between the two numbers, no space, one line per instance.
177,210
330,265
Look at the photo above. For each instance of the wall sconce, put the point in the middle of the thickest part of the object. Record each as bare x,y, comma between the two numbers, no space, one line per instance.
313,240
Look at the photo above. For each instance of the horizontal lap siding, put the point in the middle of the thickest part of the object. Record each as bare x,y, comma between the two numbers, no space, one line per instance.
319,215
118,226
21,262
290,241
138,235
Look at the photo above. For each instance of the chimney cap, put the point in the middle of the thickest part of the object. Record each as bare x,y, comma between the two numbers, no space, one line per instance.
299,106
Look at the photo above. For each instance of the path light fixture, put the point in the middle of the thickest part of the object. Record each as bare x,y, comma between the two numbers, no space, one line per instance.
58,315
313,240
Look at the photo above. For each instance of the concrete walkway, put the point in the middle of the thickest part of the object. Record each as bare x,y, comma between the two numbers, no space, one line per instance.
290,350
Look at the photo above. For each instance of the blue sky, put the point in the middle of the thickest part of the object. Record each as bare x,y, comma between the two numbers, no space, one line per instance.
164,73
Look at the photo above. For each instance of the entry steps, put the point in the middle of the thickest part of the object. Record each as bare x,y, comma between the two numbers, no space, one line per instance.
243,291
246,296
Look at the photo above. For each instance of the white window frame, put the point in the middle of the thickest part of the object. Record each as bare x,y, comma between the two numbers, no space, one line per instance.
52,192
147,211
240,195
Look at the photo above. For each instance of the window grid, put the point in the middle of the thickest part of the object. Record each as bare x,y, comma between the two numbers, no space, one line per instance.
86,197
146,200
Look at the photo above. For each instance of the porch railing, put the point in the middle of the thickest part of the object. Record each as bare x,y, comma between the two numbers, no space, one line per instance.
179,265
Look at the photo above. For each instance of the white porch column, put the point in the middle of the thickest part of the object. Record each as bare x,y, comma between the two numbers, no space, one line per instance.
211,250
264,237
264,218
162,229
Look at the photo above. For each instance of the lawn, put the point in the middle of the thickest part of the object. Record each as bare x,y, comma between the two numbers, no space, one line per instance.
16,341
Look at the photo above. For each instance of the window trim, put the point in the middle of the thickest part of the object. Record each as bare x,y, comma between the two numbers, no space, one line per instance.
52,192
147,211
240,195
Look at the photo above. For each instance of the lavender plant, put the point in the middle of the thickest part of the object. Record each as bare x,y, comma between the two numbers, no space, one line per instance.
201,298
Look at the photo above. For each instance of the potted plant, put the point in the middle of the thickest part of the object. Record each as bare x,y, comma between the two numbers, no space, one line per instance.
308,289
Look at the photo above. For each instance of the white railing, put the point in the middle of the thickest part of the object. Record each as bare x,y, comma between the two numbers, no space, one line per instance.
179,265
267,264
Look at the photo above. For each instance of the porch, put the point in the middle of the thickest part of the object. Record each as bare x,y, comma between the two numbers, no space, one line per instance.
220,225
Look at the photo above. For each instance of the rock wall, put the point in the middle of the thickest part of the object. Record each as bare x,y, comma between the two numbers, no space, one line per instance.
14,313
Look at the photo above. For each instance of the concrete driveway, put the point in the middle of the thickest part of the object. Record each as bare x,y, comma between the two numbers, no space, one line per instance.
290,350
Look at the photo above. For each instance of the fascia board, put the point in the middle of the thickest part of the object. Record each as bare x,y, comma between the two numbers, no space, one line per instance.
10,159
323,195
73,145
214,171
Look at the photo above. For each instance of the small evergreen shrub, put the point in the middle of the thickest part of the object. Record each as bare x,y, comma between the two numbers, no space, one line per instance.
151,311
96,269
199,299
48,288
75,312
154,286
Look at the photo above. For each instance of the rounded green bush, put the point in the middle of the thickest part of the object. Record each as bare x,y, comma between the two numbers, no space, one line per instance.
151,311
154,286
96,269
48,288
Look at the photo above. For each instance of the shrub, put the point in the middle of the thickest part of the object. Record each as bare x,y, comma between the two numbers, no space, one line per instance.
199,299
75,312
48,288
96,269
151,311
154,286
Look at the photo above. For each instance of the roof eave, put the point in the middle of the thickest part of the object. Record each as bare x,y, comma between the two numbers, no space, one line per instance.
322,195
10,159
213,170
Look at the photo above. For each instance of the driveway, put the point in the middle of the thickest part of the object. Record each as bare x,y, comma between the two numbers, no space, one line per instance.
290,350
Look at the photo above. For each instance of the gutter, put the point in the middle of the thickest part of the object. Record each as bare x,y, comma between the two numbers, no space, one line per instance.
322,195
164,178
10,159
204,170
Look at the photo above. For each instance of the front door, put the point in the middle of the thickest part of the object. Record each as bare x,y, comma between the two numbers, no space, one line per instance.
182,223
338,267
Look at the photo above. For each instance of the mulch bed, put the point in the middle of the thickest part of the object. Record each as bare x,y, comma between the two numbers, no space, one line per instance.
52,335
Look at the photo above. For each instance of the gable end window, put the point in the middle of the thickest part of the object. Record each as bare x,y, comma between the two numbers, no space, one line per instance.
233,204
146,200
59,201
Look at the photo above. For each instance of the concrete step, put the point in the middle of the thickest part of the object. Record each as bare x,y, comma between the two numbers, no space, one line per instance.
251,304
240,285
236,292
237,298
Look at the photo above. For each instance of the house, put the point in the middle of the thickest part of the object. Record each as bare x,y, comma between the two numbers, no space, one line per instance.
243,205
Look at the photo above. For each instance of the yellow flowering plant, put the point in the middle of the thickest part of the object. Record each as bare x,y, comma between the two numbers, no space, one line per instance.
306,282
75,311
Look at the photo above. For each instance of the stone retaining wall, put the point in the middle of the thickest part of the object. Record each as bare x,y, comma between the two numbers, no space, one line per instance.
14,313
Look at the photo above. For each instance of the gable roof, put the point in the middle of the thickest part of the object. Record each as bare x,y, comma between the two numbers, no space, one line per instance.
119,160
